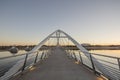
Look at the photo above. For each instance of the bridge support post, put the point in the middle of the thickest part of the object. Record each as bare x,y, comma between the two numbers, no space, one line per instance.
70,54
93,66
45,55
67,53
118,59
23,68
80,57
75,56
42,55
36,57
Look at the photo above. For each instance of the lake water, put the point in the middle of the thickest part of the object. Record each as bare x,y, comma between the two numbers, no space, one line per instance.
7,53
111,64
115,53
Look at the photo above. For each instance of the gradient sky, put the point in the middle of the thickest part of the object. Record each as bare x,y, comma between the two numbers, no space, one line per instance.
87,21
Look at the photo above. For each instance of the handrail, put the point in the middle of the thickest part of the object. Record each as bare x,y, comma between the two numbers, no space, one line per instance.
107,64
20,65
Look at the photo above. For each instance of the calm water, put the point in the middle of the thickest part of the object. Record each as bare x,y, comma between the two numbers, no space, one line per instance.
113,67
115,53
7,53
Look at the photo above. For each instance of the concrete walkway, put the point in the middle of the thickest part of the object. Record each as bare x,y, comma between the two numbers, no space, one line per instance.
57,67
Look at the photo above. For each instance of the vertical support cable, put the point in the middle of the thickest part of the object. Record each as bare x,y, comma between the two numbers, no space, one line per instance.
58,37
68,47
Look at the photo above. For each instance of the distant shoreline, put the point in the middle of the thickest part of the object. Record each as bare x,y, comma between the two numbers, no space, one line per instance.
88,47
3,50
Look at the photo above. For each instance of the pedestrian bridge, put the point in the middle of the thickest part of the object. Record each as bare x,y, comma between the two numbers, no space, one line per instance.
60,63
57,67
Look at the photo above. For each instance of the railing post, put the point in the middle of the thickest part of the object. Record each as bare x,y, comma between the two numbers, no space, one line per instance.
93,66
67,53
45,55
50,51
36,57
118,59
70,54
23,68
75,56
42,55
80,57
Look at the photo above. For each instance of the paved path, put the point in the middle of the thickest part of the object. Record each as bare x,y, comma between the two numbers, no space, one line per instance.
58,67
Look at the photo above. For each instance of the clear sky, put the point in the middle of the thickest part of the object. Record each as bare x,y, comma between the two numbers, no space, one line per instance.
87,21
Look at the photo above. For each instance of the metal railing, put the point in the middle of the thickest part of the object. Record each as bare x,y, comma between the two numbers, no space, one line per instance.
22,61
112,64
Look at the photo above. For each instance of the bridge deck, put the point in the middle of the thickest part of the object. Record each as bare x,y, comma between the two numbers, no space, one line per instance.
57,67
